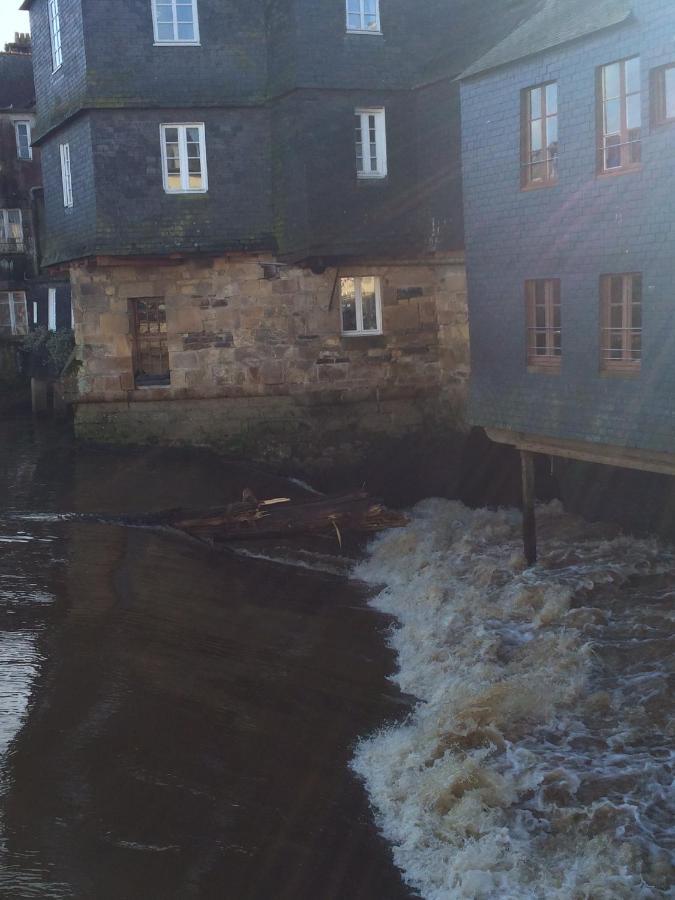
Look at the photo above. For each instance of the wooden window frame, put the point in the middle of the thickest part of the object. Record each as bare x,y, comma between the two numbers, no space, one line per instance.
175,41
363,127
627,165
7,245
627,365
54,15
362,15
526,181
183,158
551,361
18,124
359,331
13,299
66,176
152,338
659,106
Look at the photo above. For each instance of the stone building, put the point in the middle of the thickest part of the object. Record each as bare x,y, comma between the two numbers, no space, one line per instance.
260,208
28,297
568,142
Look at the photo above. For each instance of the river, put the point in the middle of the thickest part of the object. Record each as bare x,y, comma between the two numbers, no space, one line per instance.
175,722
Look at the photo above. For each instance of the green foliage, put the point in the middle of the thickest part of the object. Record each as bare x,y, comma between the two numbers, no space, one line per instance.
52,348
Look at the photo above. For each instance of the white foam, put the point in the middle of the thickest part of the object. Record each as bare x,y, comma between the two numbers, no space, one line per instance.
502,783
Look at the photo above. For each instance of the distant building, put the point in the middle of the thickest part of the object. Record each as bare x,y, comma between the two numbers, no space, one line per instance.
260,207
569,190
27,298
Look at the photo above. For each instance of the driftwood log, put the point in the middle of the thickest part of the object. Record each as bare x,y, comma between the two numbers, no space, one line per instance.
283,517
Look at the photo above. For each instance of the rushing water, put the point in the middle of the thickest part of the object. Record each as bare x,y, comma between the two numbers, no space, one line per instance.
539,762
176,722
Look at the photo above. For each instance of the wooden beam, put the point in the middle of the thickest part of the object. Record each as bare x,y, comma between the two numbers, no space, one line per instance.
529,517
585,451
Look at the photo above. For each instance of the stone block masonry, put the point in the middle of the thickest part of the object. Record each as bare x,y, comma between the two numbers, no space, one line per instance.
259,367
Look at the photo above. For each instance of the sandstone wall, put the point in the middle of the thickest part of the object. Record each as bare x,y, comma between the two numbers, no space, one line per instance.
260,366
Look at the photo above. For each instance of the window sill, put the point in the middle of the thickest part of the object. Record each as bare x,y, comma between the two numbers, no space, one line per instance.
368,179
620,371
177,44
544,368
185,193
363,31
624,170
361,334
527,188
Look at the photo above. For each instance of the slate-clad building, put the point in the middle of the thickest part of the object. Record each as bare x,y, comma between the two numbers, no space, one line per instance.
260,207
27,297
569,183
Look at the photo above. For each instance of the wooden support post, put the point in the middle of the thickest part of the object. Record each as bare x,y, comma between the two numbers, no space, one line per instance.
529,519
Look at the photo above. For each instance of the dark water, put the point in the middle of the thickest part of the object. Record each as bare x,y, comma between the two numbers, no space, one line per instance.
175,722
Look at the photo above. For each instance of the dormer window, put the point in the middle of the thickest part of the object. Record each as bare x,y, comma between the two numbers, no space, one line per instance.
363,16
175,21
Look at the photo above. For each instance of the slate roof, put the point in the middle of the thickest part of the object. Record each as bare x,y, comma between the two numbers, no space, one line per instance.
556,22
17,90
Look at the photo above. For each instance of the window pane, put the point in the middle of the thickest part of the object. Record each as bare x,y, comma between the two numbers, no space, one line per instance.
633,75
636,288
634,146
184,12
536,141
20,314
171,135
194,166
540,343
369,304
164,13
354,21
186,32
196,182
552,128
633,111
616,316
613,117
616,289
636,345
348,300
551,99
173,182
669,90
540,316
164,32
613,152
5,316
535,103
611,79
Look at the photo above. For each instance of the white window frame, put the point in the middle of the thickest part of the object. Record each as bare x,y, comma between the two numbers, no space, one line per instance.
66,176
35,312
55,34
183,158
175,41
51,309
380,141
13,298
17,125
359,331
363,29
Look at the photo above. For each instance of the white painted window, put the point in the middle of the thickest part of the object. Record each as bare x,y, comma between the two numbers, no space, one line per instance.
371,143
184,158
55,34
11,231
23,147
363,16
35,312
51,309
13,313
361,305
66,177
175,21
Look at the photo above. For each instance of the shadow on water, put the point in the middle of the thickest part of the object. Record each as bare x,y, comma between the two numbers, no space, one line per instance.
175,722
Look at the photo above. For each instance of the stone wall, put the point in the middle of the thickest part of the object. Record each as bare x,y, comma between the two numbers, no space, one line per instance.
260,368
